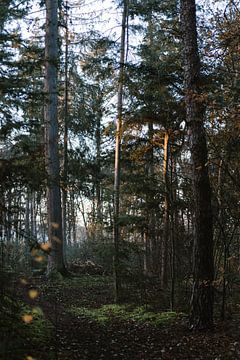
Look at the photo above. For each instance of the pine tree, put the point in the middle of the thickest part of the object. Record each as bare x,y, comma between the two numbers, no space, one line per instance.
116,228
201,316
55,259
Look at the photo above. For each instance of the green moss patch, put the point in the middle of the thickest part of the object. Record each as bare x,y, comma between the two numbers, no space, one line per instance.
106,313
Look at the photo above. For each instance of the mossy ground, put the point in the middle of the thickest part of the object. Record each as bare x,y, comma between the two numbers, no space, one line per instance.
76,319
126,312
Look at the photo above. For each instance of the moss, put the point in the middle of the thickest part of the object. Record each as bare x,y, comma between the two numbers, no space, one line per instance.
87,281
157,318
105,313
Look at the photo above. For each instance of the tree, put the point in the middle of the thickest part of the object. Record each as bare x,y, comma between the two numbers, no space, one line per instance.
224,140
116,230
201,313
65,135
20,118
155,88
55,262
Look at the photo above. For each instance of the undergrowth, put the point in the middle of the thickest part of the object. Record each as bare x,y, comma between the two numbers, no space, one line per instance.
126,312
80,281
24,329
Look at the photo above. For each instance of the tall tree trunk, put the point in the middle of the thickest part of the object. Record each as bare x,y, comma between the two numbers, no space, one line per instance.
98,181
98,158
173,224
42,223
55,259
73,236
166,229
116,229
65,136
152,250
33,213
201,313
27,218
151,260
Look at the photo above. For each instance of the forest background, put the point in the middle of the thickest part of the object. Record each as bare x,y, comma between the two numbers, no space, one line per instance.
121,65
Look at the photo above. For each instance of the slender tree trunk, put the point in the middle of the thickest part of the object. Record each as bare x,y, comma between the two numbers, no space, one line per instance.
42,223
73,220
83,212
166,229
201,313
98,158
1,216
151,261
27,222
55,259
16,216
173,226
8,226
116,229
151,245
98,226
33,212
223,235
65,137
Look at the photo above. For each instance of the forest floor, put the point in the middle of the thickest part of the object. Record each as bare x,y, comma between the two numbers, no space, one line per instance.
76,319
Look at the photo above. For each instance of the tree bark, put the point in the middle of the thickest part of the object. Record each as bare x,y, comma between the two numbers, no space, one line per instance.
65,137
151,262
98,167
55,260
173,225
116,229
201,309
166,229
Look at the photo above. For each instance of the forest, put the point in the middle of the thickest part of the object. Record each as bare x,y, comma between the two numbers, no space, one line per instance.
119,179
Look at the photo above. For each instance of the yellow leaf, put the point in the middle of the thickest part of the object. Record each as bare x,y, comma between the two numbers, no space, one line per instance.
33,294
45,247
27,318
39,258
29,358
